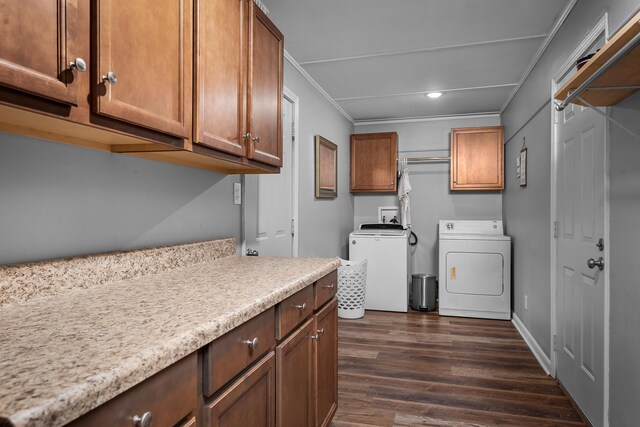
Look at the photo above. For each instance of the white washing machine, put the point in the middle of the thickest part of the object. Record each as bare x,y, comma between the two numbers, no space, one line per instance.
474,272
386,247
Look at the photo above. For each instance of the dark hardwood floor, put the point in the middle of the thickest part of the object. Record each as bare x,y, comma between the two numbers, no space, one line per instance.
420,369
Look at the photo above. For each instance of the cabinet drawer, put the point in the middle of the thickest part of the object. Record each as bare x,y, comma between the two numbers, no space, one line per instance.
170,396
292,311
228,355
325,288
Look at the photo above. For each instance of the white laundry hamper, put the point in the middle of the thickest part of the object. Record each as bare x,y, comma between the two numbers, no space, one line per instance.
352,284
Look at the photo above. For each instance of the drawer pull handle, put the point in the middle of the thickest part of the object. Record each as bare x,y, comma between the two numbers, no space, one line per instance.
142,421
301,307
253,344
320,331
331,286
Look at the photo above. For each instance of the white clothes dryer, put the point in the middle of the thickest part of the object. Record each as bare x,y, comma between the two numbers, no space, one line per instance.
474,271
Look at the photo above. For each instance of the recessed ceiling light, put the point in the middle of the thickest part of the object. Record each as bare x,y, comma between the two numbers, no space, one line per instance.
434,95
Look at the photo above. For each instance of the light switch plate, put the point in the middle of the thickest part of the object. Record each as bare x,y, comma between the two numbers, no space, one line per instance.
237,193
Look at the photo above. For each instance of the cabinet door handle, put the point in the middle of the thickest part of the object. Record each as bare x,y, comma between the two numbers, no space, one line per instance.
142,421
253,344
318,334
79,65
256,139
247,136
301,307
331,286
110,78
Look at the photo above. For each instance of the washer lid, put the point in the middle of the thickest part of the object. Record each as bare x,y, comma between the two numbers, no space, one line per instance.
374,232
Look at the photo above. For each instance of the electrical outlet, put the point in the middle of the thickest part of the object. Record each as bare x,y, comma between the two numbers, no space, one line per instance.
526,302
237,193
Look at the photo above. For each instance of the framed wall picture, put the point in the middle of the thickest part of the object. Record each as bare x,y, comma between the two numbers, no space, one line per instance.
523,167
326,168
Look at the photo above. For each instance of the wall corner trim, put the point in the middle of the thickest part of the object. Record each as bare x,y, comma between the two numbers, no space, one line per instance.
316,85
535,348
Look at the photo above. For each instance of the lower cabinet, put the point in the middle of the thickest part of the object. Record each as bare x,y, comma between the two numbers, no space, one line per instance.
326,364
307,372
168,398
294,383
249,401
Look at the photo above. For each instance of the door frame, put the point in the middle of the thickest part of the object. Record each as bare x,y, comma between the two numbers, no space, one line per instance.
293,98
599,30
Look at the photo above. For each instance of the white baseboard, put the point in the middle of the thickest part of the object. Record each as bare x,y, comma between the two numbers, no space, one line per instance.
537,351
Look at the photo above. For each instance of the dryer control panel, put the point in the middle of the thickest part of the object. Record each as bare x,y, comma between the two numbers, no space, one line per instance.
471,227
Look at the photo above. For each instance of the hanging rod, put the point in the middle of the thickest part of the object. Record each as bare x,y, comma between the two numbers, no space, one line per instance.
631,44
426,159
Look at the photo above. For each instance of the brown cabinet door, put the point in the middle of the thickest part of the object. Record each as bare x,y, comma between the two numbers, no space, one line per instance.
145,46
37,44
294,383
264,102
477,157
250,401
221,61
326,364
374,166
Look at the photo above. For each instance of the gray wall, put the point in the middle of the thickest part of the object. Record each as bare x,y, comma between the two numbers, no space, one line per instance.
431,199
57,200
527,218
531,265
625,266
324,224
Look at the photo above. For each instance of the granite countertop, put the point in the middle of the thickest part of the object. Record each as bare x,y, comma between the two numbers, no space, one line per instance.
63,355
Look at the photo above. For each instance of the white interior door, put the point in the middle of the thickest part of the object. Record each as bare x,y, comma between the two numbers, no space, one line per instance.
269,202
580,289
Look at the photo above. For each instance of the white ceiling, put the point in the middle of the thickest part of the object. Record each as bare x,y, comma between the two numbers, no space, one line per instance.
378,58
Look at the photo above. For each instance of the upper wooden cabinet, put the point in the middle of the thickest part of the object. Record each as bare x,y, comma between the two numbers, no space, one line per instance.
38,41
477,158
239,64
143,63
265,88
140,94
374,162
221,61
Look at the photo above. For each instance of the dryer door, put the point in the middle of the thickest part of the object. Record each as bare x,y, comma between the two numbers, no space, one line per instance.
475,273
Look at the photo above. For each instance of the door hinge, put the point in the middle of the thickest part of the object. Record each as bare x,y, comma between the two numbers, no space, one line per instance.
293,227
555,229
555,343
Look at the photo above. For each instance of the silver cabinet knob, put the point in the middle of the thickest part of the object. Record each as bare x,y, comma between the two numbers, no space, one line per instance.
256,139
253,344
110,78
592,263
331,286
301,307
247,136
318,334
79,65
142,421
